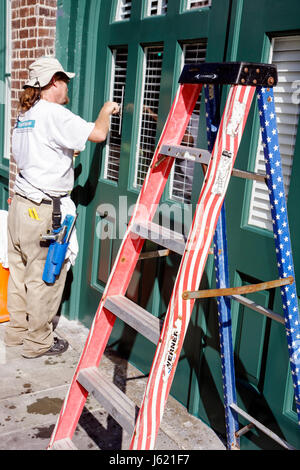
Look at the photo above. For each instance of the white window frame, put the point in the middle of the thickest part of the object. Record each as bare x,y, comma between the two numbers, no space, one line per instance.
106,175
160,5
145,51
121,4
187,187
135,183
189,4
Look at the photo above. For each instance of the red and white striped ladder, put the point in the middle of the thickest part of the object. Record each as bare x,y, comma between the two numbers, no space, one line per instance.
87,378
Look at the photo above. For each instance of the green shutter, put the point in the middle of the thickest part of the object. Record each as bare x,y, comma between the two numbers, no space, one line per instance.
2,72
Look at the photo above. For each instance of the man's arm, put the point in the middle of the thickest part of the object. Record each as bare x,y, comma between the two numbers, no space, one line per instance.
100,131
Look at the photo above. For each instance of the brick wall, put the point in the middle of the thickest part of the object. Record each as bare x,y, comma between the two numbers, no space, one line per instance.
33,35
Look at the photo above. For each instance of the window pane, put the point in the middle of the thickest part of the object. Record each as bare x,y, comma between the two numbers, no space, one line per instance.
148,124
182,175
191,4
157,7
118,80
123,10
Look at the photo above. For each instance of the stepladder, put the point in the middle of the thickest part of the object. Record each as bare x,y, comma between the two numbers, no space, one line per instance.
223,143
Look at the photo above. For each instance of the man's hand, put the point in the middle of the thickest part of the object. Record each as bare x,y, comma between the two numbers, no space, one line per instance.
100,131
111,107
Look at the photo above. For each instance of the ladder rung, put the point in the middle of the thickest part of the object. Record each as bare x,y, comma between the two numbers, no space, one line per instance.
258,308
249,175
64,444
244,430
154,254
161,235
230,291
115,402
260,426
164,253
135,316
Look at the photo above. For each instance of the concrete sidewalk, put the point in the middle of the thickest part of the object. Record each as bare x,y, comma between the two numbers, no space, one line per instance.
32,394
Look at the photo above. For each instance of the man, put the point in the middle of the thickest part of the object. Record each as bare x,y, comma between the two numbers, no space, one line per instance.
43,143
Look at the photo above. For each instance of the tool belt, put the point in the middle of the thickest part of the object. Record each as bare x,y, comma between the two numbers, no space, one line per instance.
56,212
43,201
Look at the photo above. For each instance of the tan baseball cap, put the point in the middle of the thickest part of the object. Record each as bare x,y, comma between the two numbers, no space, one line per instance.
42,70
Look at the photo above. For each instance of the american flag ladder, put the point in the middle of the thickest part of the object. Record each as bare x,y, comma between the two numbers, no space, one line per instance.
224,138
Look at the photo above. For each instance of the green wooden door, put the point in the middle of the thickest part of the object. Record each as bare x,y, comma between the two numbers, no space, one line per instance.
263,376
135,54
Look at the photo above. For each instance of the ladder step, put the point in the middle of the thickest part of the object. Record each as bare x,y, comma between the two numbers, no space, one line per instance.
135,316
161,235
64,444
115,402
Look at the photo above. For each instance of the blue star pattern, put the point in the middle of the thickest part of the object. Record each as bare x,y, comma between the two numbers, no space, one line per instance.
283,253
284,257
222,280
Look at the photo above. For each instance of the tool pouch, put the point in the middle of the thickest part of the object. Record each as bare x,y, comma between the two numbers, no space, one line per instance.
56,213
57,250
55,258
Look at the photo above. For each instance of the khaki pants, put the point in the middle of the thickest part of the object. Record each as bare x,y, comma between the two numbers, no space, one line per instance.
31,302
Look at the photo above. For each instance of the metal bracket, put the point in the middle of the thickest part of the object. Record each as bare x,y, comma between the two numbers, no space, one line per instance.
201,294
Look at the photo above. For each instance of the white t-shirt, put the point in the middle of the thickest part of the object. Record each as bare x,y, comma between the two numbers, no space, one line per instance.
43,143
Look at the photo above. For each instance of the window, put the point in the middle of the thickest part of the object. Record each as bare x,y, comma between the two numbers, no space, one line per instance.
182,173
191,4
123,11
285,54
157,7
153,57
5,80
118,80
